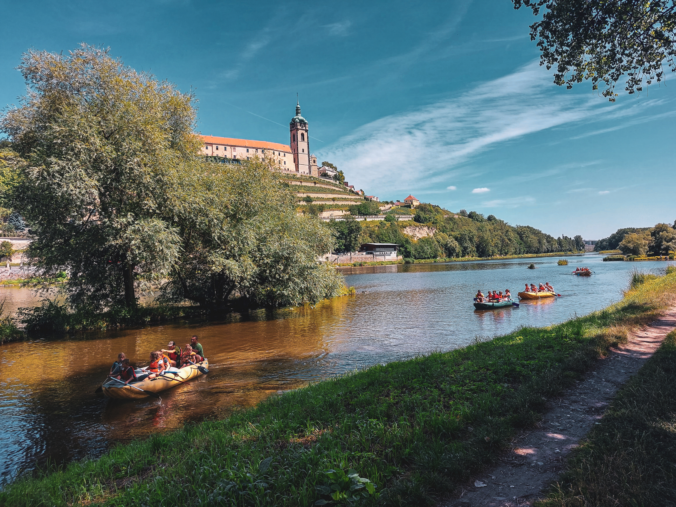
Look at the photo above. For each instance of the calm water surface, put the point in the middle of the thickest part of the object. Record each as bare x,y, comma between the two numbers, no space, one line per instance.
49,412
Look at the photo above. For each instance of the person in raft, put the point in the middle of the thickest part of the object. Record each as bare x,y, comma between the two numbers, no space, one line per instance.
549,287
127,373
532,287
508,295
196,346
190,357
527,288
173,353
479,296
117,365
156,365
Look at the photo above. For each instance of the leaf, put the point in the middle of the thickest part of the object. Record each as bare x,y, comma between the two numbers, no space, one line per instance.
370,488
264,465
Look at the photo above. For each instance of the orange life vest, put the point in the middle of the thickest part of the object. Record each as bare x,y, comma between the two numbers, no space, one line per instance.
154,367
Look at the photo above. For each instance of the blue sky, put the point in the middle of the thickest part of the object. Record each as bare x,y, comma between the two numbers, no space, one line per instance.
442,100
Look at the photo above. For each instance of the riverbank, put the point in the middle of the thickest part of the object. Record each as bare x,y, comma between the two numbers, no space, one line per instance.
462,259
414,428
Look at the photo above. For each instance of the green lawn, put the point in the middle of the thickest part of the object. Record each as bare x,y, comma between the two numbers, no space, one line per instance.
413,429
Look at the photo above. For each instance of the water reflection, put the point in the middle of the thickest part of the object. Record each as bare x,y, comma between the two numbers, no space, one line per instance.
49,409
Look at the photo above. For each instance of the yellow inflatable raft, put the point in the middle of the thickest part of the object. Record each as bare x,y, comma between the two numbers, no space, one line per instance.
117,389
536,295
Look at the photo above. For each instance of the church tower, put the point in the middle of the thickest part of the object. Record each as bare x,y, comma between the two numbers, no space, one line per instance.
300,142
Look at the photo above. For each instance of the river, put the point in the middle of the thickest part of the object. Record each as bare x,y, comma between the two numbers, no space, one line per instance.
50,413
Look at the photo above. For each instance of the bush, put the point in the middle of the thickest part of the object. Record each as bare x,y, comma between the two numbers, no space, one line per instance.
562,262
613,258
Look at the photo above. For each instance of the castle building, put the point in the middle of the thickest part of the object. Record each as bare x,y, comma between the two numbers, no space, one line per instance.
293,158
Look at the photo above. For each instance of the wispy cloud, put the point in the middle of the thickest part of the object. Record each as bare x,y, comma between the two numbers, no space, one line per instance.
451,187
604,192
513,202
340,29
398,150
481,190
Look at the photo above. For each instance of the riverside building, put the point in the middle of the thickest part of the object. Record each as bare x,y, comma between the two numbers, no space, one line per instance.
292,158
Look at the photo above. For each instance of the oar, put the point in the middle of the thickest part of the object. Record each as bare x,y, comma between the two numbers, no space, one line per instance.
139,389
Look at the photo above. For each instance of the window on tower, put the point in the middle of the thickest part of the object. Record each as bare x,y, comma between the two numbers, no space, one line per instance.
302,136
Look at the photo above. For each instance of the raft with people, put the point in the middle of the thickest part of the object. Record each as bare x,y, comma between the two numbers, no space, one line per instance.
582,272
167,368
494,299
115,388
541,292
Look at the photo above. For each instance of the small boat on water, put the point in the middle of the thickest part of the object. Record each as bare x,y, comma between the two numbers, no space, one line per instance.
582,272
493,304
117,389
536,295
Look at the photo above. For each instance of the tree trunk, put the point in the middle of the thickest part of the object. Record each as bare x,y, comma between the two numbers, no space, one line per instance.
129,293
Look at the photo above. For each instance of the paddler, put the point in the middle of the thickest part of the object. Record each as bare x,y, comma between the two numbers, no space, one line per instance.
549,287
197,347
479,296
527,288
127,373
117,365
532,288
173,353
508,295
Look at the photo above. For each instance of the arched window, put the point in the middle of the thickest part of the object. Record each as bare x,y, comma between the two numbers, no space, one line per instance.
302,136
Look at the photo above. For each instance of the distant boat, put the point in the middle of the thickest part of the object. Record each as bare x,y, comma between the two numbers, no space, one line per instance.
583,272
536,295
492,305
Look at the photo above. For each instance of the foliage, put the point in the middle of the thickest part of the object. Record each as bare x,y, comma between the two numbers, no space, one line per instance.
329,164
9,178
562,262
613,241
603,40
628,457
345,488
339,177
635,243
118,196
8,330
314,209
613,258
390,218
365,208
6,250
347,234
639,278
426,248
663,239
416,429
16,221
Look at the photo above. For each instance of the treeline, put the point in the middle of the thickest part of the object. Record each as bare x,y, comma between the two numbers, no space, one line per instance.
462,235
654,241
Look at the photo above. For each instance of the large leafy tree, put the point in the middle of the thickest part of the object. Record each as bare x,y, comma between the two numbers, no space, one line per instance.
604,40
114,190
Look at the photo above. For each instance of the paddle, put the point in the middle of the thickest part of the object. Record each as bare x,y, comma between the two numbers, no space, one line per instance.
139,389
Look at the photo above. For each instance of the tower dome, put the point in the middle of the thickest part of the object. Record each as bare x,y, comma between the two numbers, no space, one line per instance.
298,118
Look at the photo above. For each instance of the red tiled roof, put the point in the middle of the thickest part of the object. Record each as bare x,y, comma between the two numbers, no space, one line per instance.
245,143
410,198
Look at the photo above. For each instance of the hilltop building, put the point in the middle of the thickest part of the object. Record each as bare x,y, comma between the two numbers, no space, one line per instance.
293,158
412,201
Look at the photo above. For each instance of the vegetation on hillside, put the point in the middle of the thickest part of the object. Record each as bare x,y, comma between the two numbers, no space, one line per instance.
405,433
112,184
464,236
613,241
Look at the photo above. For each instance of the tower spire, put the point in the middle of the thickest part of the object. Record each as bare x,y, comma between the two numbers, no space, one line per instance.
297,106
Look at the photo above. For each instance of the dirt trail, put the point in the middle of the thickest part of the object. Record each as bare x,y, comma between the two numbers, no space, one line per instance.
538,456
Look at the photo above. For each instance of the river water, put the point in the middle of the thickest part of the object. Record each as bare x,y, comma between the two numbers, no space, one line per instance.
50,413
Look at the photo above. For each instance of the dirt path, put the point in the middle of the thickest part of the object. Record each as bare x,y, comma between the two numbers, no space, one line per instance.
538,456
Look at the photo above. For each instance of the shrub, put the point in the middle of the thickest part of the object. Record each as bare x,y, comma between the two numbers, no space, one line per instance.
562,262
613,258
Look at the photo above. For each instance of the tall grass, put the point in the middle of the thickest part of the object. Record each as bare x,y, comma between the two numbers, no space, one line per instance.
8,329
638,278
413,429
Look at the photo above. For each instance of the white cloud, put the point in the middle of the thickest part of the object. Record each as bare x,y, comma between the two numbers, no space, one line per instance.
451,187
604,192
339,29
401,150
481,190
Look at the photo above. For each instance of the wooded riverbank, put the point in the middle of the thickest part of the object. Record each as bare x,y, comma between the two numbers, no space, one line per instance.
414,428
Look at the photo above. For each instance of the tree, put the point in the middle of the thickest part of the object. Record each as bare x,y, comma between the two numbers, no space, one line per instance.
117,195
602,40
426,248
462,213
390,218
635,243
347,234
329,164
579,243
16,221
340,177
477,217
6,250
365,208
663,239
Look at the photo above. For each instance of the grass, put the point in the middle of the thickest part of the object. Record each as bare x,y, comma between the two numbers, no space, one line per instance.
9,332
562,262
610,252
613,258
630,457
413,429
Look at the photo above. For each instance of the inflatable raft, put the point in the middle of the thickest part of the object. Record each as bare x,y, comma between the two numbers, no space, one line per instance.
490,306
582,273
536,295
136,390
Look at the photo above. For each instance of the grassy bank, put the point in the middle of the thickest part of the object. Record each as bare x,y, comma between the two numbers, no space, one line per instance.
414,429
630,457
